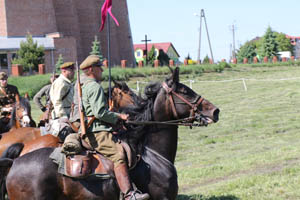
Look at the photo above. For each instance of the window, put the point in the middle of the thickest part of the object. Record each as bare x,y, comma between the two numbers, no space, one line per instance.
138,54
3,61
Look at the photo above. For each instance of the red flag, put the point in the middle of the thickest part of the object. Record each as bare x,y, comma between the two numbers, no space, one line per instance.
107,8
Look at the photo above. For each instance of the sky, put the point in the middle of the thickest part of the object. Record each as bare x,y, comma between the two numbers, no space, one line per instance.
175,22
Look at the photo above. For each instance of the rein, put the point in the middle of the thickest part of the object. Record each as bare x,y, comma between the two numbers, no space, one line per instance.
180,122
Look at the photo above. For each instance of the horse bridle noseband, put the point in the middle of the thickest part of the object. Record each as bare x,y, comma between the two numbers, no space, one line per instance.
171,92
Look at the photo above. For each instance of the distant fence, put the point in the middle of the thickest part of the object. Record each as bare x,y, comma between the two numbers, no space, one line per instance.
243,80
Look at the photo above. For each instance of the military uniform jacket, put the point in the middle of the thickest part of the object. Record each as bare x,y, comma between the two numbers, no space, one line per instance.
95,104
61,95
7,96
43,92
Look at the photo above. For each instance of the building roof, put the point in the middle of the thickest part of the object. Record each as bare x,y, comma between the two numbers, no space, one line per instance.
13,43
163,45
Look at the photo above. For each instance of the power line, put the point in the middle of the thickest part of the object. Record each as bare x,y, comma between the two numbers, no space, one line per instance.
202,15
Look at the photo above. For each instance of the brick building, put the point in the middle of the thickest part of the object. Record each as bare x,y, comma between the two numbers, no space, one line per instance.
70,25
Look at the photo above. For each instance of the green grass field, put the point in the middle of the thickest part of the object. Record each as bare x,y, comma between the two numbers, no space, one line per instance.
253,152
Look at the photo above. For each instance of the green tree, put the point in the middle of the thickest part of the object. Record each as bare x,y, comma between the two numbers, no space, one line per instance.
284,44
246,51
59,62
96,48
151,55
163,58
206,60
269,44
30,55
188,57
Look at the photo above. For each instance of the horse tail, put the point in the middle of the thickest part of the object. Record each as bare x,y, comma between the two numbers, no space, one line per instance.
6,162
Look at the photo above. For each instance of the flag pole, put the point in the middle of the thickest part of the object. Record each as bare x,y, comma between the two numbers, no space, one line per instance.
109,60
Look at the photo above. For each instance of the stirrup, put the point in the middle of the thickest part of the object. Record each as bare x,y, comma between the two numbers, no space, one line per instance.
132,194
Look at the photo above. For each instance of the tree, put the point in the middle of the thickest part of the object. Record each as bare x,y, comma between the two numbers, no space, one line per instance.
188,57
30,55
284,43
269,44
59,62
206,60
96,48
163,58
151,56
246,51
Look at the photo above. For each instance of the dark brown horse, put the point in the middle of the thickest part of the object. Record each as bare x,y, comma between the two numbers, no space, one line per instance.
155,173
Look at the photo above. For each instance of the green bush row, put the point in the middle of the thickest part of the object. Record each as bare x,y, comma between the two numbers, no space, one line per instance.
32,84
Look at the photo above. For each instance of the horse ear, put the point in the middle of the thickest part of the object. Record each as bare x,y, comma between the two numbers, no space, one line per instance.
117,84
26,96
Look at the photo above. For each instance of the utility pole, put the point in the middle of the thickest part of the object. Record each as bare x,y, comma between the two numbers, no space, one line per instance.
233,28
146,40
202,15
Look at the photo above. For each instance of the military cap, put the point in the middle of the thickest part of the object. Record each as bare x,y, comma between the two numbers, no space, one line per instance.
91,60
67,65
3,76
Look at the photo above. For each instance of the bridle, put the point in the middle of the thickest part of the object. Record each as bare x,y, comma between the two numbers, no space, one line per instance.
23,119
194,106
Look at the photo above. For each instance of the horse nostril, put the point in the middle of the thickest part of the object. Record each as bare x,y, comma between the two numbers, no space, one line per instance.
216,115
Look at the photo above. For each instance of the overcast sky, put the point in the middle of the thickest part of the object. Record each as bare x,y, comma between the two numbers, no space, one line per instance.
174,21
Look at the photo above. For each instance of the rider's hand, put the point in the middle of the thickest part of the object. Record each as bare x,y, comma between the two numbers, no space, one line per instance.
123,116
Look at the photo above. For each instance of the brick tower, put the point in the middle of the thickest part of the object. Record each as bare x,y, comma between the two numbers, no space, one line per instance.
75,21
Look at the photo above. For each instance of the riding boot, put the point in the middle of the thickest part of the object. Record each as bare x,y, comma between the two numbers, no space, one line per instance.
122,176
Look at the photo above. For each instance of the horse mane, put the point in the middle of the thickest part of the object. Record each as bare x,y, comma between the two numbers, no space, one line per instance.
23,103
141,111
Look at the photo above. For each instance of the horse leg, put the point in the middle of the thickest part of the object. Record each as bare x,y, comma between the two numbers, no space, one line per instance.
158,180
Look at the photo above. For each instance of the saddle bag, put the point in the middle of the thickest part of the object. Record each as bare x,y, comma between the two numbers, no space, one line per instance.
78,165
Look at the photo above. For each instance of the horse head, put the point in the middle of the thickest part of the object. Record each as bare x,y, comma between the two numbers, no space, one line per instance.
123,96
178,101
21,113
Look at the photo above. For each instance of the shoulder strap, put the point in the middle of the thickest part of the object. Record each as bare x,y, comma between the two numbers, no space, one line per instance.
66,94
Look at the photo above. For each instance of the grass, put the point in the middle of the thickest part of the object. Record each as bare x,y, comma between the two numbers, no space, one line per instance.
253,152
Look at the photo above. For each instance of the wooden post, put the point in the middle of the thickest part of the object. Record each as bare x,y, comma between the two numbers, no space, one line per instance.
265,59
234,61
123,63
42,69
255,60
141,64
171,63
16,70
156,63
274,60
245,61
185,62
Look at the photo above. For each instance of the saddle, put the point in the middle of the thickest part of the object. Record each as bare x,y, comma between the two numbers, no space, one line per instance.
89,162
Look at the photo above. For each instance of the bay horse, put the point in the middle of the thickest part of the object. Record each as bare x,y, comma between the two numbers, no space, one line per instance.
154,174
20,115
